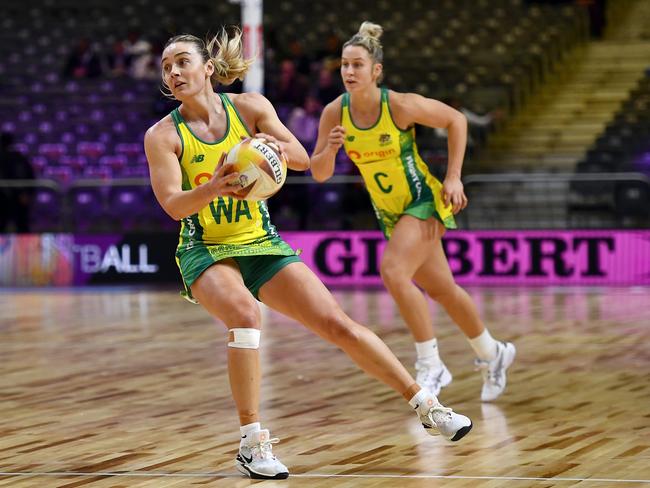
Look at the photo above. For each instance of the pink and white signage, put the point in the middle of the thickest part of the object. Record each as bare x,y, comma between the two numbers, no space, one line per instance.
548,257
599,257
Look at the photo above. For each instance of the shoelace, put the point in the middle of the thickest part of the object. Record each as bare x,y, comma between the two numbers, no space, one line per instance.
445,412
264,448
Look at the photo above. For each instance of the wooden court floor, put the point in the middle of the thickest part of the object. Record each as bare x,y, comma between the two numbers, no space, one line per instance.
127,388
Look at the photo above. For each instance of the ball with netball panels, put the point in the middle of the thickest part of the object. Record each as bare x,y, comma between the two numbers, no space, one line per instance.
262,168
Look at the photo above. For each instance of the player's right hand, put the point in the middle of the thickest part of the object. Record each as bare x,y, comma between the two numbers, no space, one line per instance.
336,137
225,180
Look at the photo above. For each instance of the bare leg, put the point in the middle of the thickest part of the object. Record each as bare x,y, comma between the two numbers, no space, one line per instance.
405,252
296,292
221,291
435,277
299,294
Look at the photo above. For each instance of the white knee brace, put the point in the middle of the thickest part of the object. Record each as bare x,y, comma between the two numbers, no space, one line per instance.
245,338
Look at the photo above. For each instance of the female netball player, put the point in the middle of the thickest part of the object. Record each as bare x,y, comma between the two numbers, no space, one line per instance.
229,253
376,127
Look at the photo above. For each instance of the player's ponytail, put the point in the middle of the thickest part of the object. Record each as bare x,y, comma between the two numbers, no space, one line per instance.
227,54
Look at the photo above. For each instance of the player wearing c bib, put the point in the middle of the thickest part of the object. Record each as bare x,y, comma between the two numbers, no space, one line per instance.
376,127
395,175
230,254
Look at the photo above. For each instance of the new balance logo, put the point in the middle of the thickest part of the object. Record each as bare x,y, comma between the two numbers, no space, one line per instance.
197,158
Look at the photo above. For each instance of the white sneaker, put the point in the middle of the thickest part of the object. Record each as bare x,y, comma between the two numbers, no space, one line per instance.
437,419
433,377
494,372
255,459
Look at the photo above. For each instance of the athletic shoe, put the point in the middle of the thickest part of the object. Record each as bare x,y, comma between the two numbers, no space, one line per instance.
433,377
437,419
255,459
494,372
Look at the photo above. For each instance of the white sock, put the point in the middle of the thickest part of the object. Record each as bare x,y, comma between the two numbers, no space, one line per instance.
428,351
419,398
249,428
484,346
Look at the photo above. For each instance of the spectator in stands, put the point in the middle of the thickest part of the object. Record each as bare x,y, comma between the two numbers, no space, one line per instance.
290,88
227,263
297,55
15,203
376,127
118,60
329,86
303,122
479,125
144,62
84,61
330,54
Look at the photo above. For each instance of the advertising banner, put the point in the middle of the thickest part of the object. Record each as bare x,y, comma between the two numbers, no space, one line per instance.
492,257
78,260
343,258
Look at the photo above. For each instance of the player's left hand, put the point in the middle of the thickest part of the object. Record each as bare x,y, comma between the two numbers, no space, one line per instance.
454,194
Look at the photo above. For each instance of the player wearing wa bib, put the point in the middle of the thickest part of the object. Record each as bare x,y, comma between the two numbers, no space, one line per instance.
227,227
395,175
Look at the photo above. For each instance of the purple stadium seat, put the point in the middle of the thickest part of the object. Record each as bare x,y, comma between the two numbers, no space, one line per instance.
77,163
52,151
115,162
87,208
68,138
22,148
98,172
39,163
72,87
131,150
45,127
119,127
61,174
81,129
91,149
46,211
61,116
97,115
107,86
39,109
52,77
138,171
31,139
125,205
8,126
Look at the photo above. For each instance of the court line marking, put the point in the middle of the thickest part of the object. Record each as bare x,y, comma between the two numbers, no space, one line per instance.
316,475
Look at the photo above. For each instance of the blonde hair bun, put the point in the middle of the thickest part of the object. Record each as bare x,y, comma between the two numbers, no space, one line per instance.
371,30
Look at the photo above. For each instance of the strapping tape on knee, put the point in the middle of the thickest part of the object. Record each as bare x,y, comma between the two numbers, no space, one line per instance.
245,338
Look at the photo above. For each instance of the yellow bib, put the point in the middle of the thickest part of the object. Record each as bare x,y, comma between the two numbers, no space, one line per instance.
225,220
397,178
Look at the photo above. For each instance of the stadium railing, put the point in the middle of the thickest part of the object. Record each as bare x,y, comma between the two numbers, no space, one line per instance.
497,201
